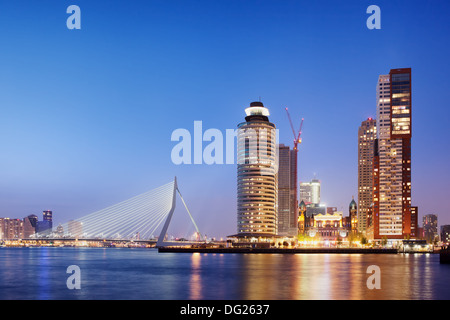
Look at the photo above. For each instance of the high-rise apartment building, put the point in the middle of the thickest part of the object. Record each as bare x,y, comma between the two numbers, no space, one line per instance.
430,227
11,228
257,181
392,157
287,191
310,192
367,134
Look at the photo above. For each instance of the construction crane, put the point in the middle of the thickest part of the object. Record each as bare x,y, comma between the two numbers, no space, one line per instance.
297,136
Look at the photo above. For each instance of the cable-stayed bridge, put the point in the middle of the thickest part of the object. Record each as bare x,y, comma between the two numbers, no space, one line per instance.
137,218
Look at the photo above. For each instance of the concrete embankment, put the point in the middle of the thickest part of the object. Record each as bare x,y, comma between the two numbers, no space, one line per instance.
278,250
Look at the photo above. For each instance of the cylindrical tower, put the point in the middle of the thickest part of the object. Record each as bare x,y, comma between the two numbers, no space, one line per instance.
257,168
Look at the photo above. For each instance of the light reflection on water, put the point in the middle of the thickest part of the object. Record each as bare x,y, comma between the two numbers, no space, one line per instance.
40,273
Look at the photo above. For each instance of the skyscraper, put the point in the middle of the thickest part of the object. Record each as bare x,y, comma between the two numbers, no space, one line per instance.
430,227
45,226
366,138
257,181
392,158
48,216
287,191
310,192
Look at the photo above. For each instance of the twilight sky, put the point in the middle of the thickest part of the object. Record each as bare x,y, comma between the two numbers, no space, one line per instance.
87,115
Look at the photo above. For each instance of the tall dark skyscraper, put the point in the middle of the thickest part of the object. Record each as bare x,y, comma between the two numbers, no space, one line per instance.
287,191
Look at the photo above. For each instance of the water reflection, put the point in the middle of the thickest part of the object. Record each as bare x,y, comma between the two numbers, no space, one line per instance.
147,274
195,281
337,277
43,274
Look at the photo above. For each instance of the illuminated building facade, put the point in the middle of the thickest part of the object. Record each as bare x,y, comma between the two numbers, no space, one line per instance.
328,226
366,139
445,234
392,157
415,234
310,192
11,228
257,181
430,227
48,216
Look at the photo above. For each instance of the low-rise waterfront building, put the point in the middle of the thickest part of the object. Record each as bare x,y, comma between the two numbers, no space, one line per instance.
331,226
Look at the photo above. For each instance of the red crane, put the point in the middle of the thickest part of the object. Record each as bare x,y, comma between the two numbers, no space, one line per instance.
297,136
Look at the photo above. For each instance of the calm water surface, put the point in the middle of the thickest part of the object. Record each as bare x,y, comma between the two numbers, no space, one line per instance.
122,273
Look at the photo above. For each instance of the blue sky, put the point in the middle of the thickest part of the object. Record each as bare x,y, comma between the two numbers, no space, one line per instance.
87,115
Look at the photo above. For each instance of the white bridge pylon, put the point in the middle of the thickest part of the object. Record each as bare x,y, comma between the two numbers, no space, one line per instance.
161,239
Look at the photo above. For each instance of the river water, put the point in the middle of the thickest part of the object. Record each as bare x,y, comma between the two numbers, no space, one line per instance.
126,273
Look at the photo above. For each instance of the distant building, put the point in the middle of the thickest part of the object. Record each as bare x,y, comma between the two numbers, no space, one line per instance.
415,222
314,209
302,219
29,225
331,210
445,234
430,227
310,192
48,216
420,235
45,227
11,228
59,232
351,221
